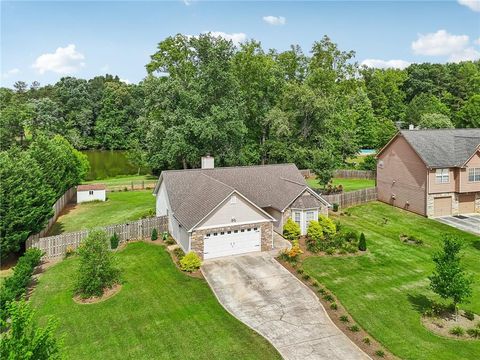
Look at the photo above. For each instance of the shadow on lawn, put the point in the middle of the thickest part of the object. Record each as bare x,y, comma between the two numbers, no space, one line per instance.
476,244
420,303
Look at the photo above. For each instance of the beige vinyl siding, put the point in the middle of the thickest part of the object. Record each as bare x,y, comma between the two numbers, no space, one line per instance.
403,175
465,185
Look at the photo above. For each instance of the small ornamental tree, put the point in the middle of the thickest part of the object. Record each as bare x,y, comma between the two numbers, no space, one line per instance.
154,234
291,230
362,244
449,279
329,227
21,338
97,270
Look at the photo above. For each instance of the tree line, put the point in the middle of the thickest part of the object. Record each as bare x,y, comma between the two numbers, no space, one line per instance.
244,104
32,179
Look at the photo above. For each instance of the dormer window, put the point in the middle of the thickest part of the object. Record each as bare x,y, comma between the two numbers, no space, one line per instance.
474,175
442,176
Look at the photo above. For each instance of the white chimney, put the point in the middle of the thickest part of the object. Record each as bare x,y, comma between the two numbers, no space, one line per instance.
208,162
411,127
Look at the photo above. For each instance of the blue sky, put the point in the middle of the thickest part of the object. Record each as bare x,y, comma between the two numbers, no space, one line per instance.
44,41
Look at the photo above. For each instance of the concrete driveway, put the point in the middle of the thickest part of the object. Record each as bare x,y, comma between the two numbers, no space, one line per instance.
469,223
261,293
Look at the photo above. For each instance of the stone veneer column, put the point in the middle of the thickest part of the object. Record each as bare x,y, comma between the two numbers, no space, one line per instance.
431,200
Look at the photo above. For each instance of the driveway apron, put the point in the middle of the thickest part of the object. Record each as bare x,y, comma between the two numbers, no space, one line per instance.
265,296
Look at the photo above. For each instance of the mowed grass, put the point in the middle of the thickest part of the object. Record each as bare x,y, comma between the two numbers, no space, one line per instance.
119,208
160,313
348,184
387,289
125,180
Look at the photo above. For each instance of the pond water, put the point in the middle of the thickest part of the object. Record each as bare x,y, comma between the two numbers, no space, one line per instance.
109,163
364,152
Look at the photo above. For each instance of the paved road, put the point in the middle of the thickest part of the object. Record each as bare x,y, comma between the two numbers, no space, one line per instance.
471,223
260,292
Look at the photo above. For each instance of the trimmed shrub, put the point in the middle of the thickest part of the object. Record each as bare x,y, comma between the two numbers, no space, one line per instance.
314,237
305,276
335,207
330,251
362,244
97,270
15,286
170,240
457,331
366,340
114,240
190,262
291,230
334,306
300,271
154,234
328,226
344,319
328,297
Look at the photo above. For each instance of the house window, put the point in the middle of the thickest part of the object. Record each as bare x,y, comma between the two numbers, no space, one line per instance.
233,200
215,234
310,216
90,192
255,229
442,176
474,175
208,234
249,229
297,216
243,230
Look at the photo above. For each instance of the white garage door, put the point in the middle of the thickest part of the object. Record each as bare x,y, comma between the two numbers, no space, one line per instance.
216,244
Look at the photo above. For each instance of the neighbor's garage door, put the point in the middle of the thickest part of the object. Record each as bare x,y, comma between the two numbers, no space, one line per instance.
227,243
466,203
442,206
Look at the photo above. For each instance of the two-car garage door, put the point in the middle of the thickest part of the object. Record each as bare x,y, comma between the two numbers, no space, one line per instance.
225,243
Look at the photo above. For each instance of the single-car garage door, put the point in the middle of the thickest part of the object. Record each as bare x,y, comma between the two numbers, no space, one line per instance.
442,206
466,203
216,244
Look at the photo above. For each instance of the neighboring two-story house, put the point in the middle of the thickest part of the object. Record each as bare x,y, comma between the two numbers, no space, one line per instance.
431,172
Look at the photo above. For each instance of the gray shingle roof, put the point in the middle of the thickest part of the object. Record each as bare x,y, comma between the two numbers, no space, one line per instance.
306,202
194,193
443,147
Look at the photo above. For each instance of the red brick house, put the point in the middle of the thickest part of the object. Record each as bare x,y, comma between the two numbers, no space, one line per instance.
431,172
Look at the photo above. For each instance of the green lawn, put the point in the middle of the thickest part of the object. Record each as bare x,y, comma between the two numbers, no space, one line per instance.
348,184
160,313
387,289
125,180
119,208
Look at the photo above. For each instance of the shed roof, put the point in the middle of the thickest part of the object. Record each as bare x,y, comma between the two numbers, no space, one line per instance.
443,147
87,187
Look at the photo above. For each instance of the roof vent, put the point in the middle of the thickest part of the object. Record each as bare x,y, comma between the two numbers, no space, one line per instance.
208,162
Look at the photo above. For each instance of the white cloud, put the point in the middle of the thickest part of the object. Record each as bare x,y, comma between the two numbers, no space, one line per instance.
384,64
64,60
236,38
468,54
472,4
10,72
439,43
275,20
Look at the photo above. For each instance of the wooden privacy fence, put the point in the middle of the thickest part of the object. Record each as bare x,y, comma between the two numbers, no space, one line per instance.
355,174
133,185
55,246
57,209
352,197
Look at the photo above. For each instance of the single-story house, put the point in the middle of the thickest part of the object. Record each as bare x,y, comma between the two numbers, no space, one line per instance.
91,192
233,210
432,172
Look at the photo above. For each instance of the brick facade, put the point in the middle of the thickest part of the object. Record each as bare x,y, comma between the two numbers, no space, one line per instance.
265,228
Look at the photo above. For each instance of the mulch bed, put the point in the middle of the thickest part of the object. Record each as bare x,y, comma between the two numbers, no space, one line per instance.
442,325
357,337
107,294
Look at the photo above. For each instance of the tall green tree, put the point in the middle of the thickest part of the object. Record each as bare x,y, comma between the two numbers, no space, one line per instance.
469,114
435,121
424,104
